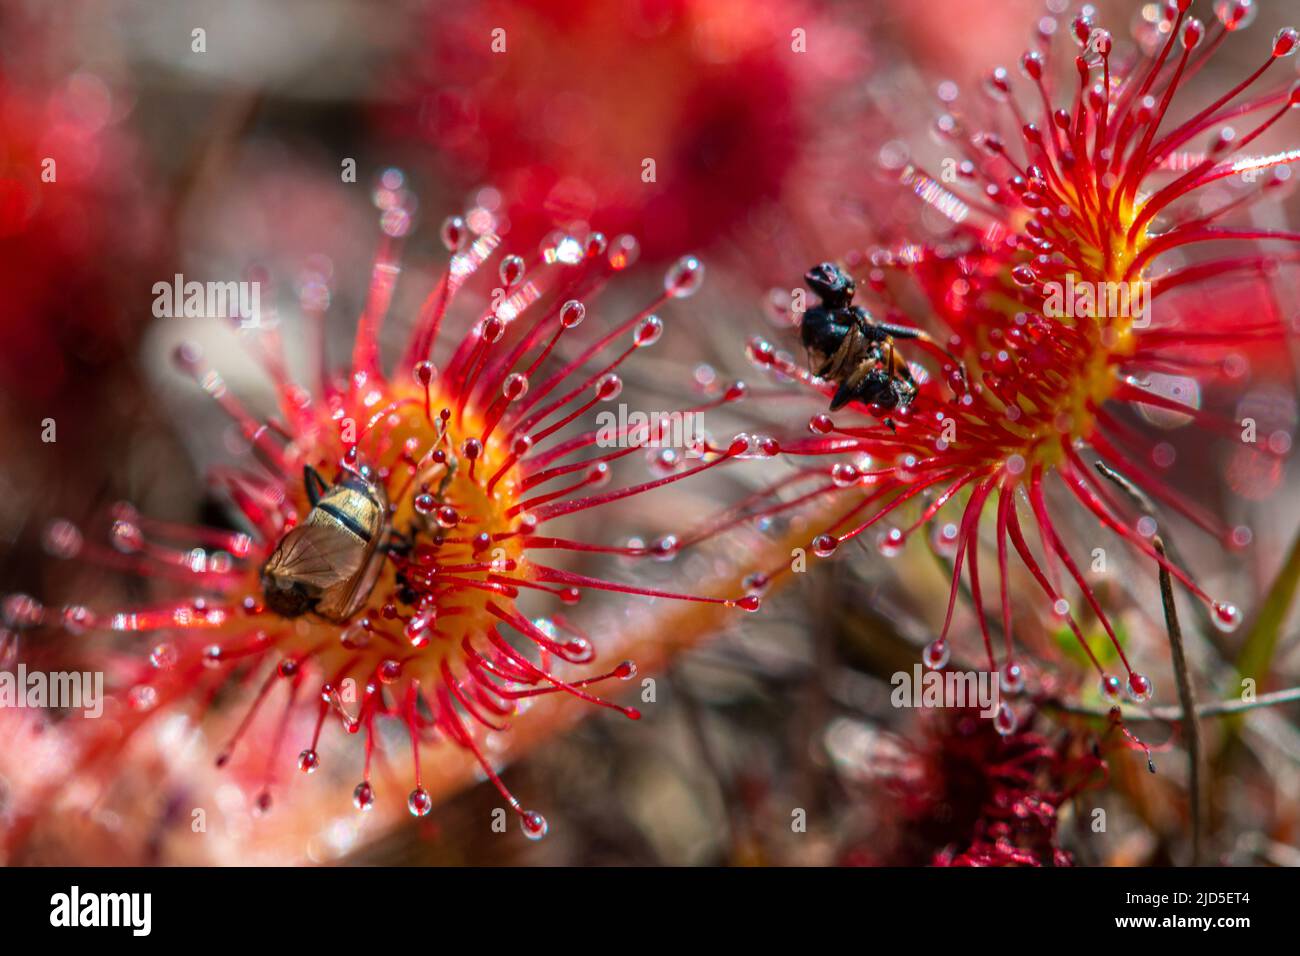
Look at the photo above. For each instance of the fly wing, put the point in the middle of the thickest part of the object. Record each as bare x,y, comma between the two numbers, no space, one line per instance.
318,556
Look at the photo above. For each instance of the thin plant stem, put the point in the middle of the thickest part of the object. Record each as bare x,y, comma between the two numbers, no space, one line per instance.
1182,675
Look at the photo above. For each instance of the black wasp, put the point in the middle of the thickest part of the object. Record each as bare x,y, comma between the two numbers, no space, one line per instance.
847,346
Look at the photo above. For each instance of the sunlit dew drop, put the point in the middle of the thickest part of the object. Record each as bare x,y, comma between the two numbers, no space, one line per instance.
492,329
572,313
609,387
578,650
1099,44
511,270
760,353
648,331
664,461
62,539
363,797
454,233
569,251
164,656
142,697
844,476
779,311
665,549
995,84
1227,617
308,761
8,649
1023,275
482,220
354,636
515,386
417,628
684,277
1004,721
1236,14
824,545
387,189
1139,687
893,155
1111,686
945,537
395,222
533,825
77,619
936,654
742,445
905,467
424,373
419,802
623,251
22,610
1011,678
890,543
126,537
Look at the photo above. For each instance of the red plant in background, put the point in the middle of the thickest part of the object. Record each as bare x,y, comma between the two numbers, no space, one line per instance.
63,173
562,105
967,795
473,467
1093,189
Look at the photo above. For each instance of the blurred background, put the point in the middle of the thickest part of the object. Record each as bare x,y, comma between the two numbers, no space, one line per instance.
224,152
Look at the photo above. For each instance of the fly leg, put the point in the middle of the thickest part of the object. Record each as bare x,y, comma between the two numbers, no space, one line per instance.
399,543
903,332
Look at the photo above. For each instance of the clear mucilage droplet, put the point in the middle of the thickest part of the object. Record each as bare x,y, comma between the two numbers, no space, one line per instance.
936,654
684,278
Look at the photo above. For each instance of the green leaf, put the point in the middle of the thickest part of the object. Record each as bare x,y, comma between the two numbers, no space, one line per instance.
1256,657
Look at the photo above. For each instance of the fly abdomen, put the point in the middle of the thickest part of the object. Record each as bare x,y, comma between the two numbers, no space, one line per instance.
346,520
